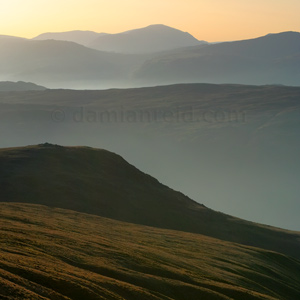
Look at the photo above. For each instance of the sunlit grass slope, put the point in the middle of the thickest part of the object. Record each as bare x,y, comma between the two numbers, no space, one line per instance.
50,253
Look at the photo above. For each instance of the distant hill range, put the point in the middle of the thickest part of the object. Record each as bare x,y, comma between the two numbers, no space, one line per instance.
7,86
102,183
154,55
58,63
151,39
9,37
84,38
274,58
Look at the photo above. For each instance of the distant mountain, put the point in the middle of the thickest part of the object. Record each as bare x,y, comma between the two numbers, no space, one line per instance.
6,86
154,38
102,183
58,63
156,55
76,36
274,58
50,253
9,37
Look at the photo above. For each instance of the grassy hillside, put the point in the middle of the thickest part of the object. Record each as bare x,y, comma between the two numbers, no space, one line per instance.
102,183
49,253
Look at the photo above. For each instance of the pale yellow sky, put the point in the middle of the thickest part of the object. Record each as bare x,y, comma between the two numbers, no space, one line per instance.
211,20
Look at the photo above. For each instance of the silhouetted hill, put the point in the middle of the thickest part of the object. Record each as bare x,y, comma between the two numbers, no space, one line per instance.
102,183
50,253
266,60
154,38
76,36
6,86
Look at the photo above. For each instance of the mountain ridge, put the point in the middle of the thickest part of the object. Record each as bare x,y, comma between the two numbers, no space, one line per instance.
102,183
150,39
7,86
83,37
260,60
51,62
271,59
130,41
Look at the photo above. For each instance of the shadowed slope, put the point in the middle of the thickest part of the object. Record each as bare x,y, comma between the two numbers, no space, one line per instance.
58,254
102,183
90,180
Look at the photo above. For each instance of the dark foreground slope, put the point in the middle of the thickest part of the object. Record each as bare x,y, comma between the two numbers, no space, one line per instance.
48,253
102,183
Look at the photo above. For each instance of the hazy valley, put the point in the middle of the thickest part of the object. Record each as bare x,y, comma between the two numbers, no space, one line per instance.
214,126
238,145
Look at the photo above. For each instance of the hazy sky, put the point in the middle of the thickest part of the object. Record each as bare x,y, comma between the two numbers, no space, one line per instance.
211,20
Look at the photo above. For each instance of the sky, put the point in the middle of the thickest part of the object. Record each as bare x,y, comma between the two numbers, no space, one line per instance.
210,20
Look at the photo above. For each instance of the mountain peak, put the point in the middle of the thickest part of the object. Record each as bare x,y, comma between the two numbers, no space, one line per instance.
158,26
150,39
294,33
